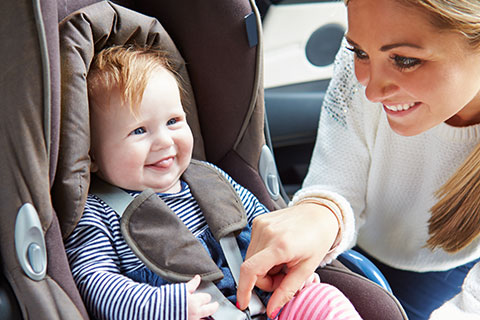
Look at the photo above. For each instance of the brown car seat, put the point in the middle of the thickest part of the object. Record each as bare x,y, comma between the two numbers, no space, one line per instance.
46,136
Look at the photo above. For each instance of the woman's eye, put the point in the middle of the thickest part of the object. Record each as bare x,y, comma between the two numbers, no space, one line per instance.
405,62
359,54
140,130
172,121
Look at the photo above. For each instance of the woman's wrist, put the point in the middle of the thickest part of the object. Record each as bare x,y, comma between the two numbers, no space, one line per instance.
334,209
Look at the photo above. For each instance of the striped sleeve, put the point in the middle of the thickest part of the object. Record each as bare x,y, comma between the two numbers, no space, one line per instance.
93,251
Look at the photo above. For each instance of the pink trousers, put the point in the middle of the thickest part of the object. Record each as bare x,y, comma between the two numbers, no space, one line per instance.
319,301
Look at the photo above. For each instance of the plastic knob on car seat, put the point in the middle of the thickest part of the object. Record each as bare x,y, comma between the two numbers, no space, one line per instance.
272,184
268,172
35,257
30,243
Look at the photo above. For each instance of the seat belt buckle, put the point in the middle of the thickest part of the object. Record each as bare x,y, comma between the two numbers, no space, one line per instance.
247,313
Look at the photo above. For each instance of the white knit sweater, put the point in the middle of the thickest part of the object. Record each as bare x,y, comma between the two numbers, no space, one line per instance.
387,180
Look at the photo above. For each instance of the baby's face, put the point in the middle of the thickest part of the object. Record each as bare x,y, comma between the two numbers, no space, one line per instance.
151,150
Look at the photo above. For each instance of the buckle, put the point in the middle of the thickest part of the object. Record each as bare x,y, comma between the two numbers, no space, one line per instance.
247,313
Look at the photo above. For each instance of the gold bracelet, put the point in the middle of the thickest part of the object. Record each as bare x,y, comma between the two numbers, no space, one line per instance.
334,208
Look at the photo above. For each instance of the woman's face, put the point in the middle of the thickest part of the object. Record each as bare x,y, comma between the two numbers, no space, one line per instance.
421,75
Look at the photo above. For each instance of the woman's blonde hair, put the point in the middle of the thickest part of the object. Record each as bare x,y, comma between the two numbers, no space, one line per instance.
126,68
455,218
461,16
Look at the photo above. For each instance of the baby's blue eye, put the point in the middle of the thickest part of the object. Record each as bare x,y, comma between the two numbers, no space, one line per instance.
171,121
140,130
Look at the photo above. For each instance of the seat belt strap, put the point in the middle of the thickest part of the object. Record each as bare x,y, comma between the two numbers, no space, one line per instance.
119,200
234,259
116,198
226,309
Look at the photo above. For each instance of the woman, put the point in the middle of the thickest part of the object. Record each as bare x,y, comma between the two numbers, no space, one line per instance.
396,165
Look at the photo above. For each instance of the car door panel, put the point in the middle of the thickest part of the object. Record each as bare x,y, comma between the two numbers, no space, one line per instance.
301,39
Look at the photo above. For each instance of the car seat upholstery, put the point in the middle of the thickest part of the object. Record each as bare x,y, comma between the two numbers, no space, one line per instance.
30,91
87,31
31,103
46,136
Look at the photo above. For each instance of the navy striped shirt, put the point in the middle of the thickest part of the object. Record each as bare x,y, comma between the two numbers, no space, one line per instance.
99,257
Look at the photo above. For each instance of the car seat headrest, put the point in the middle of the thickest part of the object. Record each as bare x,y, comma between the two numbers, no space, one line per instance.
82,34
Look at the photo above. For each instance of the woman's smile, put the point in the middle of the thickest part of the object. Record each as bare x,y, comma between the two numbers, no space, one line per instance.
401,109
405,65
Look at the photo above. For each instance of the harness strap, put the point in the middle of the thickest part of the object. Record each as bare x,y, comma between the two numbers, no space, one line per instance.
119,200
116,198
226,309
234,260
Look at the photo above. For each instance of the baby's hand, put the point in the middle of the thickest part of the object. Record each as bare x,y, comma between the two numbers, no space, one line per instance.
198,304
314,278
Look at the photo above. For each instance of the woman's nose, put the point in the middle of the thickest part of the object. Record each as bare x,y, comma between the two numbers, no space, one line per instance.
379,84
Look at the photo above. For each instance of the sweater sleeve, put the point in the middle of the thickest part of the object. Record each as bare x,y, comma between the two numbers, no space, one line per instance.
107,293
341,157
466,304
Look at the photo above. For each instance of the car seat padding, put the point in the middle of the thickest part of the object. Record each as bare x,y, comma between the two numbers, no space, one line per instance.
162,241
27,170
371,300
82,34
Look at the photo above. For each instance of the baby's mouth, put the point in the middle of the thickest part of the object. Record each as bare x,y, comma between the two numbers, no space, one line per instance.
162,164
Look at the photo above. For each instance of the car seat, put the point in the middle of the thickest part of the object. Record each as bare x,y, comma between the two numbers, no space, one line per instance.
45,167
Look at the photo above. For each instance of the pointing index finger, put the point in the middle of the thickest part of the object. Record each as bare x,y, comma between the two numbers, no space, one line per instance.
253,270
289,285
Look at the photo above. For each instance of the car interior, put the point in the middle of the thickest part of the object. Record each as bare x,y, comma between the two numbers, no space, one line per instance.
220,49
298,66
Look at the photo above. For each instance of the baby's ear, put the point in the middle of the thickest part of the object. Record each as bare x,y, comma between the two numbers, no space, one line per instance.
93,165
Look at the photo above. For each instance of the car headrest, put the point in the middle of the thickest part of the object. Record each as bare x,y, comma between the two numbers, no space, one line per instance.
82,34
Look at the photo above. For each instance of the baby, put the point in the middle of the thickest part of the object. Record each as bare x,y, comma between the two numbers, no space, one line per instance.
140,139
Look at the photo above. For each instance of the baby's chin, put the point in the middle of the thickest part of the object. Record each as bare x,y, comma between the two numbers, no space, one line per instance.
138,185
174,188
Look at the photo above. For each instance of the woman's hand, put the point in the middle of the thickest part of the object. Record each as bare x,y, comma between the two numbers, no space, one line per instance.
198,304
286,247
314,278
